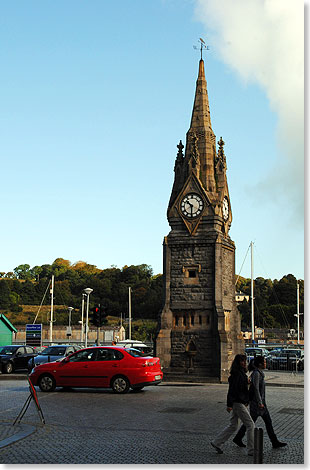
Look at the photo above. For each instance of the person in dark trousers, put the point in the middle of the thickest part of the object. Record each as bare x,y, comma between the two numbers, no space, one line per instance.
237,402
258,405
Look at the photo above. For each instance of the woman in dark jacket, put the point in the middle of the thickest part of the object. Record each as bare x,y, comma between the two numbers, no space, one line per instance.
237,401
258,405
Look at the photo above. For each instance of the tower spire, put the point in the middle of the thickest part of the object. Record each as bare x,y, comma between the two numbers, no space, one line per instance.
202,128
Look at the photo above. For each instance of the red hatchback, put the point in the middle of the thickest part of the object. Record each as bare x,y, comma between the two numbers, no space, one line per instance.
100,367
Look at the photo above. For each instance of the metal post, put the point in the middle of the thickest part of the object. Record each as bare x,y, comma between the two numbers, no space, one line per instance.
86,322
252,295
82,325
129,310
298,334
87,291
52,305
258,445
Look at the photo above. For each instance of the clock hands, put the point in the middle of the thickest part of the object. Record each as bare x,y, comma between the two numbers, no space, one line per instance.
191,206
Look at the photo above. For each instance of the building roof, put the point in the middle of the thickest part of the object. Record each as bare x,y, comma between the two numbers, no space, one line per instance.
7,323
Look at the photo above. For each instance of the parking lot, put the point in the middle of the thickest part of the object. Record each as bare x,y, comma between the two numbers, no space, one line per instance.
166,424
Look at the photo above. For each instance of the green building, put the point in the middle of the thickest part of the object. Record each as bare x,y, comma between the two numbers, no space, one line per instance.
6,330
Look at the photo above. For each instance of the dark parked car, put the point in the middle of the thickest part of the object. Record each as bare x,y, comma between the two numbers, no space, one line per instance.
253,352
102,367
286,359
51,354
15,357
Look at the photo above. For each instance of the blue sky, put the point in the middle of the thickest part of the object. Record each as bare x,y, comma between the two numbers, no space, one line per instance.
95,96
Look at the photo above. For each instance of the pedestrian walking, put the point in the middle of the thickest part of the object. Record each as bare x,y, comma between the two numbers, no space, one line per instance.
258,405
237,402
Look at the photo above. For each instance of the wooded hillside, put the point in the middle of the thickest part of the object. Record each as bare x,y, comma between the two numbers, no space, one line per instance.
275,301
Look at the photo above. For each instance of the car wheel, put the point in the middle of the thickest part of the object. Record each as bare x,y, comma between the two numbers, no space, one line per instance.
120,384
47,383
8,368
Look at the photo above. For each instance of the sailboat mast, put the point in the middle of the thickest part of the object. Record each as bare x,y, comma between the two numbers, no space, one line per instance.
252,294
52,307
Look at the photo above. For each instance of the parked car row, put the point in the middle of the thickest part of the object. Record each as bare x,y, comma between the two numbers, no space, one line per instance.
286,359
279,359
24,357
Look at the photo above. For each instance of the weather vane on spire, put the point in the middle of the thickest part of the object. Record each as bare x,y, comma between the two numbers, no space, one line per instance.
202,46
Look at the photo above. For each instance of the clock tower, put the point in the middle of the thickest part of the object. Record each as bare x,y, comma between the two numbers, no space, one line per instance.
199,327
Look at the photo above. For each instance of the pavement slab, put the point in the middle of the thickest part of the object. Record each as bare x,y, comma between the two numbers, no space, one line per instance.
167,424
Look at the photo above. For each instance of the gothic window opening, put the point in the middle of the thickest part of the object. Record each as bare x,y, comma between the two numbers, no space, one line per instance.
176,320
184,320
192,273
192,319
200,320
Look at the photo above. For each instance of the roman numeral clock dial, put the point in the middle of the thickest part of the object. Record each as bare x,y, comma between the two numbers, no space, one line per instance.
192,205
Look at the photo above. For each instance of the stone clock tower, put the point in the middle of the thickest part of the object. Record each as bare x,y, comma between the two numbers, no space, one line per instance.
199,326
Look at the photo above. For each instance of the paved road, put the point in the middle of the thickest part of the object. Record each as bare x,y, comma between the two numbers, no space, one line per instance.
167,424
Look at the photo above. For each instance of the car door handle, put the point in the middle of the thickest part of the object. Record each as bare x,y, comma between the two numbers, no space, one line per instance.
114,365
85,367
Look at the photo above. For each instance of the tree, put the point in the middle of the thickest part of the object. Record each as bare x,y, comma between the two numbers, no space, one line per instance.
47,271
35,272
245,311
60,268
284,291
10,275
28,293
23,272
4,295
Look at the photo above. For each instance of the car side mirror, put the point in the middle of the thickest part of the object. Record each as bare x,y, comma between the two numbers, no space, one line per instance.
65,359
18,353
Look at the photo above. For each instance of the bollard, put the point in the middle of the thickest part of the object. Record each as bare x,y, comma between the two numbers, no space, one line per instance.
258,445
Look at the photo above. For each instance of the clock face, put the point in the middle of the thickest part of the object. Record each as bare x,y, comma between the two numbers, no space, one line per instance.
225,208
192,205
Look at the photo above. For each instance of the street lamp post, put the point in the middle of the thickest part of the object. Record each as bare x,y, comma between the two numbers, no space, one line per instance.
129,311
70,311
298,315
69,326
82,322
87,291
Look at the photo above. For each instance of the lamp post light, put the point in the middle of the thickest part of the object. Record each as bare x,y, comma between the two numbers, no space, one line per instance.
298,315
82,322
87,291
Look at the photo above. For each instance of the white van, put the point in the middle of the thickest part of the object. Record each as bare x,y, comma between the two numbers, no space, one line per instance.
132,343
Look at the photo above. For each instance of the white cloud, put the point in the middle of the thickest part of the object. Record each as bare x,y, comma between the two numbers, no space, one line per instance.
263,41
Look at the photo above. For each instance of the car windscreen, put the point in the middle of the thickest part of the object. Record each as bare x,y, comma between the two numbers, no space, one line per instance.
53,351
7,350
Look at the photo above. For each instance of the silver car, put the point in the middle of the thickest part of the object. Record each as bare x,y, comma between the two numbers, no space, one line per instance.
51,354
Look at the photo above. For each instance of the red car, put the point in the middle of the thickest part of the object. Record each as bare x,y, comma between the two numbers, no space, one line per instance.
102,367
